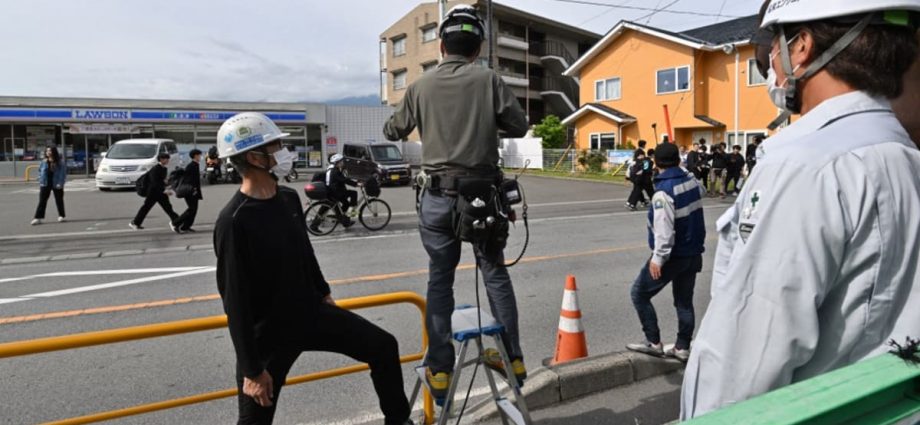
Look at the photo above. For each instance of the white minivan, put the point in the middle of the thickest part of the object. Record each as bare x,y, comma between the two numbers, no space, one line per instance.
127,160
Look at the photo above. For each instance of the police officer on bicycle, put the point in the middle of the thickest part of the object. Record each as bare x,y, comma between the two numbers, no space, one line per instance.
459,109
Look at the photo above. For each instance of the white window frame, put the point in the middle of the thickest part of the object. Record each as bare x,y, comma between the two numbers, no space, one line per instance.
598,136
752,71
434,32
602,84
399,41
676,70
396,74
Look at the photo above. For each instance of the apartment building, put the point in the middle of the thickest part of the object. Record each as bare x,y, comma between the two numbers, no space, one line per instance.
706,77
530,53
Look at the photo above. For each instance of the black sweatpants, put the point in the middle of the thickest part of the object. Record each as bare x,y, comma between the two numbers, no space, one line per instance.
344,332
44,193
149,202
636,195
187,219
732,177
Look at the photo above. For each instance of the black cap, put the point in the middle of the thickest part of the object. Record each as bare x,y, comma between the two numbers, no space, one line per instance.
667,155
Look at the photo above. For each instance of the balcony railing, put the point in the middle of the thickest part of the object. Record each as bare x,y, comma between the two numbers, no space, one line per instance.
552,48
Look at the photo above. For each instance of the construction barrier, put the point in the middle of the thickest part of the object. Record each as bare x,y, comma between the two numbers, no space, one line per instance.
28,169
883,390
44,345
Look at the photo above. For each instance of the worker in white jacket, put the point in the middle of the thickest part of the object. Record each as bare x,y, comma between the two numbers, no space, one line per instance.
817,262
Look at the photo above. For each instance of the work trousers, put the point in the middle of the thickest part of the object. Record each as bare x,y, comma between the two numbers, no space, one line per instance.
732,177
187,219
149,202
443,247
44,193
338,331
681,272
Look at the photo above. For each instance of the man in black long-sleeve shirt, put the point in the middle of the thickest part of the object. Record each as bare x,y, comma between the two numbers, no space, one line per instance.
734,165
191,181
156,193
277,301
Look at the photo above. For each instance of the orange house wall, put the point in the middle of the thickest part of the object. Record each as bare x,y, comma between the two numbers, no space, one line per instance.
635,58
593,123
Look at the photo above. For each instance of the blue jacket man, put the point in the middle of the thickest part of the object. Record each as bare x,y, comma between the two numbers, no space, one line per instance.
676,236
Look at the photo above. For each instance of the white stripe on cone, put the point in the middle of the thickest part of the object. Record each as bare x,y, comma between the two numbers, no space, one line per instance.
570,301
570,325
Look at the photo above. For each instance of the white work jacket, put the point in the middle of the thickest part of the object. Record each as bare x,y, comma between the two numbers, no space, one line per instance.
817,262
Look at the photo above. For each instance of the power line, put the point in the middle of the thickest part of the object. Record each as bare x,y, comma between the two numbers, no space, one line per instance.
720,10
611,9
645,9
651,15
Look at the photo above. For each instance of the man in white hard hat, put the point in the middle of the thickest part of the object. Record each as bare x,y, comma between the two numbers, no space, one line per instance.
817,264
277,301
459,109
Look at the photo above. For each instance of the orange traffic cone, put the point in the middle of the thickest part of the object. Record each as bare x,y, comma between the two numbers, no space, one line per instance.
570,341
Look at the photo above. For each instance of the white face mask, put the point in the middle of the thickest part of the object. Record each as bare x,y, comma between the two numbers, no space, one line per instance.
284,162
778,92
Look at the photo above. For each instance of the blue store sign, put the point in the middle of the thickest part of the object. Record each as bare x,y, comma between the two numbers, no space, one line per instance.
101,115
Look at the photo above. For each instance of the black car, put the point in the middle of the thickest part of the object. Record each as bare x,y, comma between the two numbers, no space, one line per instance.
382,161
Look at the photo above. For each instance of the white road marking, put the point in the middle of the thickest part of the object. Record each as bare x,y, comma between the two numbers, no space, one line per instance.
91,288
102,272
375,415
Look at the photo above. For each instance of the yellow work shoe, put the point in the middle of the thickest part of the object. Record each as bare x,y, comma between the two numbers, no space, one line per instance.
493,359
438,383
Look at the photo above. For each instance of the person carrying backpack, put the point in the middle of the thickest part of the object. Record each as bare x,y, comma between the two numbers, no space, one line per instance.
154,190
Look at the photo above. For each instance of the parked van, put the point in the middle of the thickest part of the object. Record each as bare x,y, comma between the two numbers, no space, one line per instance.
382,161
127,160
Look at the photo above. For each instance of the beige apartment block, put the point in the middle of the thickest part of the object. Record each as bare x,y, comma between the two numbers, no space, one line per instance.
530,52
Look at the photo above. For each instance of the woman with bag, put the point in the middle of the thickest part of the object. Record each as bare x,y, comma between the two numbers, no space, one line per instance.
52,173
189,188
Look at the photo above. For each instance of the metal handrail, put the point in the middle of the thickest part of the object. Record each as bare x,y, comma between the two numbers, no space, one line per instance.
88,339
552,48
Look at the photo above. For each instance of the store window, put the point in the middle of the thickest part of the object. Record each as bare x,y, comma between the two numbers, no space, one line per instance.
184,136
673,80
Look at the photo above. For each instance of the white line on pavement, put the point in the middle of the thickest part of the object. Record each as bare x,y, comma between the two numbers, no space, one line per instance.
102,272
90,288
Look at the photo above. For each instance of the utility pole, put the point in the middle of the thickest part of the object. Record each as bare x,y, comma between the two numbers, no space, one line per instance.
491,34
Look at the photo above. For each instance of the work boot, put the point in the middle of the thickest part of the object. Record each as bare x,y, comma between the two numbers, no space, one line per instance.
493,360
438,383
678,353
647,348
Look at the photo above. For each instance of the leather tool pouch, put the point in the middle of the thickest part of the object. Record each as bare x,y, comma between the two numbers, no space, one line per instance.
479,216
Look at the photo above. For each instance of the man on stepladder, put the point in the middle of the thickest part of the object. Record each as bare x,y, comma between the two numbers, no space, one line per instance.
459,109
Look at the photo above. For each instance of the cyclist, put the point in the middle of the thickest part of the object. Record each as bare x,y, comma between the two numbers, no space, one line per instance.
336,182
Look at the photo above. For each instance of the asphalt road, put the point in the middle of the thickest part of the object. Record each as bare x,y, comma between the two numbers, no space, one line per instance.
578,228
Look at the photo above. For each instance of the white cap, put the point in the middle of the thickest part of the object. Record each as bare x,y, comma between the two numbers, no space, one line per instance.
246,131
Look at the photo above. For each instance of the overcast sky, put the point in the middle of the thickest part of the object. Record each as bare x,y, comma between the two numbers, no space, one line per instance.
265,50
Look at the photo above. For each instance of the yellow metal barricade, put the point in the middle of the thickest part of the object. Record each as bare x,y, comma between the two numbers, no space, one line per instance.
28,169
44,345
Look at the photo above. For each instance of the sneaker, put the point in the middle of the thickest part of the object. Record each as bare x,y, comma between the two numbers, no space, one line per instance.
493,360
647,348
438,383
175,229
36,221
677,353
62,219
135,226
643,204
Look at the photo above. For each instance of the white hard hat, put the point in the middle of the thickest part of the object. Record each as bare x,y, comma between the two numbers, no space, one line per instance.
246,131
460,12
793,11
336,158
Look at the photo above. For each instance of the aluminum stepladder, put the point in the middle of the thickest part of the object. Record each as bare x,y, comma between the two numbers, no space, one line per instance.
465,329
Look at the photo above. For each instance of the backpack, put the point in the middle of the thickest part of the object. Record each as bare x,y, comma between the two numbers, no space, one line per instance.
140,185
175,178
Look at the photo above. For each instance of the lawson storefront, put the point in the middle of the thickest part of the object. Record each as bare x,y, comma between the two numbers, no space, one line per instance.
85,128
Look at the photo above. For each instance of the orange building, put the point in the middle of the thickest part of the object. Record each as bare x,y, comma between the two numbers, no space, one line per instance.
706,77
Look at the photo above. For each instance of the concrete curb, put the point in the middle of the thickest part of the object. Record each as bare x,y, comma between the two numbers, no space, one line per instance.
547,386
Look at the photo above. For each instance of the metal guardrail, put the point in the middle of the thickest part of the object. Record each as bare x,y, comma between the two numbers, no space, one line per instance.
883,390
88,339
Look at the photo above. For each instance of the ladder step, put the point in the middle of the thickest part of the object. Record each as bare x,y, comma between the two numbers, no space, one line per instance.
510,411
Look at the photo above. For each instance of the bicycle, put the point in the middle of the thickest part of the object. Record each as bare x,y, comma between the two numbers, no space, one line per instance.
322,214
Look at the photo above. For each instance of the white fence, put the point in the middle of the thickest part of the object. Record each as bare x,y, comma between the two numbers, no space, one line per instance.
515,153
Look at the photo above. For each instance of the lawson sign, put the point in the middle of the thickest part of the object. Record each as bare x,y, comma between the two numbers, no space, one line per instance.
120,115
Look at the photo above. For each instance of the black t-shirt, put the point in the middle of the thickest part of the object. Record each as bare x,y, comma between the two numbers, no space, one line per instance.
267,275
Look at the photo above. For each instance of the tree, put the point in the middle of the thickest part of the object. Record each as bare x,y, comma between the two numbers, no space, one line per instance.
552,131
